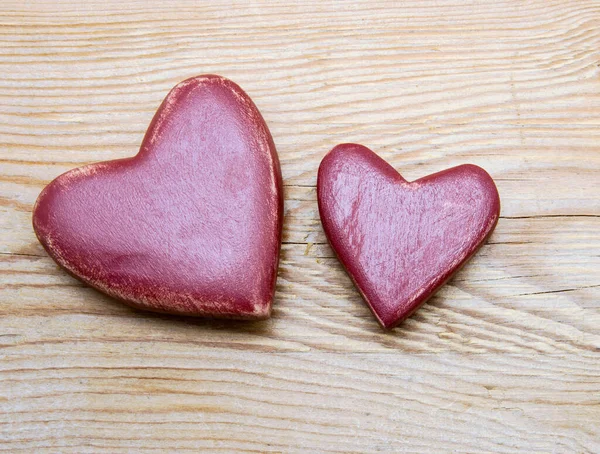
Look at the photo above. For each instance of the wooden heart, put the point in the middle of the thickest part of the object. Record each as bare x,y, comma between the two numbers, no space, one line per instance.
191,224
400,241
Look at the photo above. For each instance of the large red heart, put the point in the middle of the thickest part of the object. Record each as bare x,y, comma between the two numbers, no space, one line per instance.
191,224
400,241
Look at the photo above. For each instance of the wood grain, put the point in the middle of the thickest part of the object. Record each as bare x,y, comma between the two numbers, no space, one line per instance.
504,359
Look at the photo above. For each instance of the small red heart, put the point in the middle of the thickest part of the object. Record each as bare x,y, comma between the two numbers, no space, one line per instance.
191,224
400,241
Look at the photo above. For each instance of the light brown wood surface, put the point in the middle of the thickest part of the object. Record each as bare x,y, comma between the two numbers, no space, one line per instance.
506,358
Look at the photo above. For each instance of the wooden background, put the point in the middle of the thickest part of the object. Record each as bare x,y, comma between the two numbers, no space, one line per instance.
505,359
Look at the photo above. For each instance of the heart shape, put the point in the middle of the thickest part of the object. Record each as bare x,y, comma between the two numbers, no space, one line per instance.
400,241
191,224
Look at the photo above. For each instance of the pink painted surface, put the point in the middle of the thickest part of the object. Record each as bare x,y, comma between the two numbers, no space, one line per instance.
191,224
400,241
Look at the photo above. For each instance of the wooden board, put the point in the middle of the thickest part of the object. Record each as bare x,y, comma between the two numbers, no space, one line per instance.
506,358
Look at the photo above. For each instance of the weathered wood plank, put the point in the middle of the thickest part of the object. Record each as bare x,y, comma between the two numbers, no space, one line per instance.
504,359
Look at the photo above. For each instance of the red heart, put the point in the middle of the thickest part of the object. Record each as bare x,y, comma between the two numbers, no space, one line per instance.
191,224
400,241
